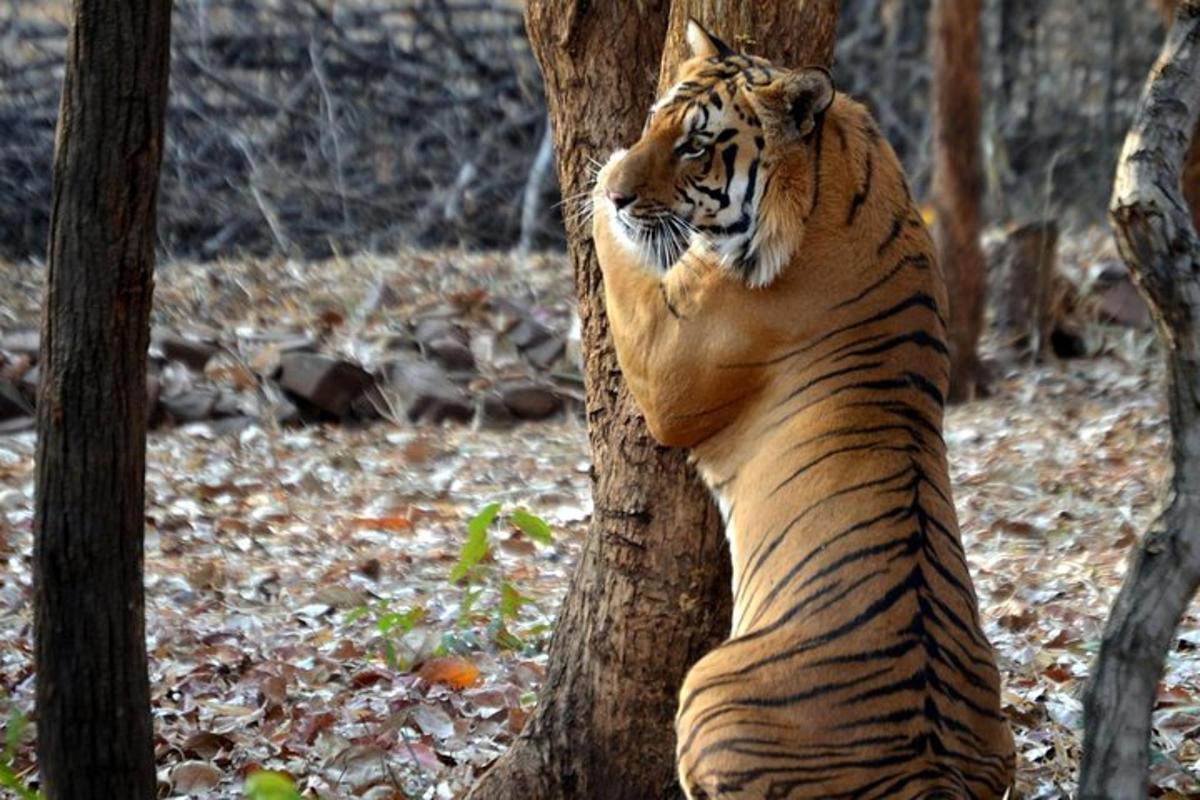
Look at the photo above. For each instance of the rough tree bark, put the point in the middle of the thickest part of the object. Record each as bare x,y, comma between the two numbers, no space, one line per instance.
1191,168
648,579
93,697
651,592
958,183
793,34
1156,238
1018,63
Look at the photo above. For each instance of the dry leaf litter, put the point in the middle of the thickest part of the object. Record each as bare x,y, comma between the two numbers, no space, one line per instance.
300,614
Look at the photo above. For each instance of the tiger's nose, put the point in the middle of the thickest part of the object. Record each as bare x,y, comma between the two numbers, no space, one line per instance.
618,199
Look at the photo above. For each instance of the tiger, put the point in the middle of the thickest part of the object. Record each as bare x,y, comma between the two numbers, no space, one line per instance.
777,308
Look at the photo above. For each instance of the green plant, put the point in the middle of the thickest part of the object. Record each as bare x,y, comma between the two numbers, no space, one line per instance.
394,628
486,594
483,580
12,739
266,785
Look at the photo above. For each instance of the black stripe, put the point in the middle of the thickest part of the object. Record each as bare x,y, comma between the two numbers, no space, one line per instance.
915,300
861,195
819,137
920,261
893,234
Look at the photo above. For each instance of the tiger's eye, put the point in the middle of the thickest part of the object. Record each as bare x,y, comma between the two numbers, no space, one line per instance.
691,149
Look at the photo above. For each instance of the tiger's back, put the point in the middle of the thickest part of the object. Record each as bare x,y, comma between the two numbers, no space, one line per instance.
797,349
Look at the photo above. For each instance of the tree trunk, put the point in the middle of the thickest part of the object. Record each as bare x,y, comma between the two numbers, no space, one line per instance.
649,581
958,184
1024,268
651,592
1159,243
93,697
1019,68
1191,168
788,34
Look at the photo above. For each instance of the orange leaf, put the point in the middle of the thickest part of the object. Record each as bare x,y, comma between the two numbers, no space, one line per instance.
397,522
457,673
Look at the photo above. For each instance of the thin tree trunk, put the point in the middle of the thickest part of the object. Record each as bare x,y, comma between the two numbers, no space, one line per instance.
958,183
1018,66
93,697
1159,243
1191,169
535,187
651,592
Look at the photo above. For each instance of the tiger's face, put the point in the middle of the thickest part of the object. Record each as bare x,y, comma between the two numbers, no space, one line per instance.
700,175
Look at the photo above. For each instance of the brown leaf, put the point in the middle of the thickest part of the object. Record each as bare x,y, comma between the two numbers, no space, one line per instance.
206,744
194,777
274,689
370,676
313,726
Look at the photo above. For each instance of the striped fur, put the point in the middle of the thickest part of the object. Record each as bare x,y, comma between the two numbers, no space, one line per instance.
793,337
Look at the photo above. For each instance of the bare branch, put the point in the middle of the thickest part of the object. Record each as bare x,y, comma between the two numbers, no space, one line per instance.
1154,231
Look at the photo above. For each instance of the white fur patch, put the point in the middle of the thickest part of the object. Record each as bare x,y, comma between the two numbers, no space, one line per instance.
621,231
726,509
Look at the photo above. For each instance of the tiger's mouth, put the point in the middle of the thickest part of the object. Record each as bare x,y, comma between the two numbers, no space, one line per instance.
655,232
662,236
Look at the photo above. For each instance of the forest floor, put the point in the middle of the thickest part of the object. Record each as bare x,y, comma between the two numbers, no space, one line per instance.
301,614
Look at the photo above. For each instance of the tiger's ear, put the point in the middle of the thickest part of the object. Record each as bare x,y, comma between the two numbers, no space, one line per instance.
793,103
703,44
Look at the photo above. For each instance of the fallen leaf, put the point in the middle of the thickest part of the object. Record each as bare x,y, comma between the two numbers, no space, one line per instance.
453,671
193,777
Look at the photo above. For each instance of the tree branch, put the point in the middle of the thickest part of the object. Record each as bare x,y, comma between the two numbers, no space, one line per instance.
1154,232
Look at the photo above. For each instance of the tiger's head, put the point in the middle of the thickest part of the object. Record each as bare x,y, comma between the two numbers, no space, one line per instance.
703,169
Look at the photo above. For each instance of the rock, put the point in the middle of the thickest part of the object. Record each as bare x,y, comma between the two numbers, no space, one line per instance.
370,405
201,403
528,333
493,413
1121,304
530,401
328,383
286,412
429,328
381,295
17,425
29,385
446,342
12,402
451,354
14,368
285,342
228,405
193,353
496,351
21,343
427,393
400,342
506,313
231,424
191,405
267,353
545,354
540,346
153,391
